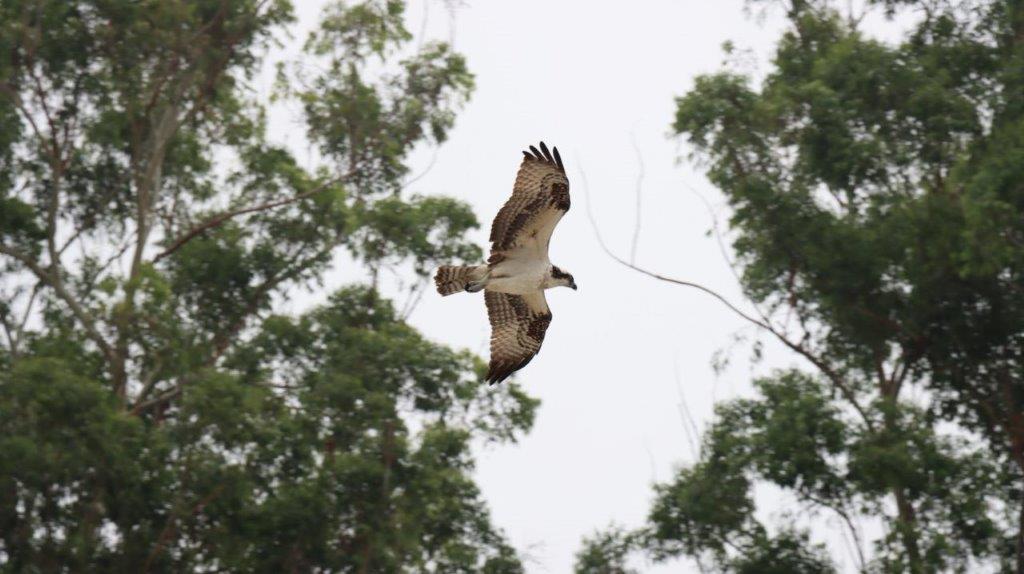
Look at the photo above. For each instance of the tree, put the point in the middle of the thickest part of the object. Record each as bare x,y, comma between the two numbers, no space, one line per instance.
606,552
877,191
796,435
156,412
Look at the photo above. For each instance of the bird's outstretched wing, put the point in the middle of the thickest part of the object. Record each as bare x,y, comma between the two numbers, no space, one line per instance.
540,197
518,324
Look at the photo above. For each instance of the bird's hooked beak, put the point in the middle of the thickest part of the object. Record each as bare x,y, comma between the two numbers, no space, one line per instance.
573,286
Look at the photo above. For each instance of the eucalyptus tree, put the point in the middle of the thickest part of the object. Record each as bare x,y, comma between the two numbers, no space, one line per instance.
158,411
876,192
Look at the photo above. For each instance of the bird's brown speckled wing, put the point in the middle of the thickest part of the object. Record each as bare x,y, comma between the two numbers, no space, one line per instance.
540,197
518,324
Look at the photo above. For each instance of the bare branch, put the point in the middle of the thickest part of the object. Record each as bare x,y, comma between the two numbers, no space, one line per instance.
799,348
610,253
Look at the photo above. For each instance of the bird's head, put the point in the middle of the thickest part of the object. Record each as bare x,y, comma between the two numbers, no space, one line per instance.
563,279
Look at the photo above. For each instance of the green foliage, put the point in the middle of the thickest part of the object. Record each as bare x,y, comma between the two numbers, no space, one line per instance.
793,436
786,553
157,411
261,474
605,552
877,196
424,229
370,124
788,437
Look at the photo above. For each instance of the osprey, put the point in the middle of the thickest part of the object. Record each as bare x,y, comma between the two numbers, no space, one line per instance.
518,271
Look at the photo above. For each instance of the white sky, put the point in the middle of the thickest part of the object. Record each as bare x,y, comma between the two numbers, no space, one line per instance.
621,353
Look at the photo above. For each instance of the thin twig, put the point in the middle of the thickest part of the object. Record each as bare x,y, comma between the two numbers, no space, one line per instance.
730,263
78,233
90,280
845,516
423,26
422,174
415,296
715,230
689,427
639,198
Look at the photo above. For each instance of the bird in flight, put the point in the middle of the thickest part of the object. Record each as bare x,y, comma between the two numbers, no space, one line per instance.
518,271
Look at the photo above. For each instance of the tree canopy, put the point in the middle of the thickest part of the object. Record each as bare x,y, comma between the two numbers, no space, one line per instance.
158,411
877,208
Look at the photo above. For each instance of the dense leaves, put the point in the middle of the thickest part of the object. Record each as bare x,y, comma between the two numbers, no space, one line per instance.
158,410
351,458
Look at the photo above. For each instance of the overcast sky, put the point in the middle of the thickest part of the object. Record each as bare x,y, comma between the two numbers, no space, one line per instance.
597,79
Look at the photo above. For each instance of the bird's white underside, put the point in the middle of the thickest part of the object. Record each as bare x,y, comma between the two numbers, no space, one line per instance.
519,275
526,268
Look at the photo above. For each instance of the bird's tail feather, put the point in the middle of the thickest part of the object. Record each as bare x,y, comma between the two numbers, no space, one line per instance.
456,278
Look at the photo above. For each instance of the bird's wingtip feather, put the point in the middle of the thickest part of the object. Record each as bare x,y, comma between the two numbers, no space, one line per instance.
545,154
